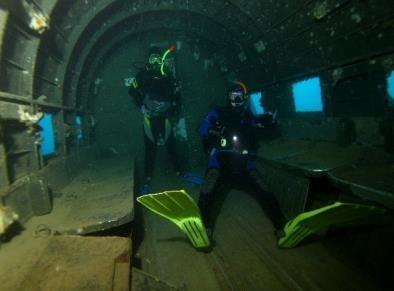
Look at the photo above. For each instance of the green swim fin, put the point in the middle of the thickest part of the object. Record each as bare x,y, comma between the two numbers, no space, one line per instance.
336,214
178,207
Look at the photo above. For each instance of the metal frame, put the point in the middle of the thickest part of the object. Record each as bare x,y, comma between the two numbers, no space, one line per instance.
25,100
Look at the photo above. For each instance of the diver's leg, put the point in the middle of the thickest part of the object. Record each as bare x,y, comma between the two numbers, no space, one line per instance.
268,202
206,199
171,146
150,154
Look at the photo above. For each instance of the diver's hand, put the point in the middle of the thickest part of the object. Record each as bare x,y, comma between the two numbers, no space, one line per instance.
268,119
272,115
216,128
158,105
217,131
153,105
148,102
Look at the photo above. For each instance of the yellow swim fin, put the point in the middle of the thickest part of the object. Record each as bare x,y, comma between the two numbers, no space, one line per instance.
335,214
178,207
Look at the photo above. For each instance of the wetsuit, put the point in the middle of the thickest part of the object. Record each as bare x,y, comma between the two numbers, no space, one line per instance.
157,97
230,139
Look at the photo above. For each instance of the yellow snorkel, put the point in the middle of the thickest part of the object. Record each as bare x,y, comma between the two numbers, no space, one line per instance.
170,50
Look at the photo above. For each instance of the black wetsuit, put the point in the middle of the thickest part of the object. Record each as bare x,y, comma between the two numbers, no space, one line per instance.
230,138
159,101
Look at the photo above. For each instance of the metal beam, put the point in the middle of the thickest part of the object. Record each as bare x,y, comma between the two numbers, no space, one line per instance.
26,100
47,80
15,64
332,66
4,178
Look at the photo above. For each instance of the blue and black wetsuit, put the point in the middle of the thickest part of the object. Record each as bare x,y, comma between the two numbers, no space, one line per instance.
230,139
157,97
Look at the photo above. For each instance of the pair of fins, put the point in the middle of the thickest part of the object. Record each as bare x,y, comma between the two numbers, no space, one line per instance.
178,207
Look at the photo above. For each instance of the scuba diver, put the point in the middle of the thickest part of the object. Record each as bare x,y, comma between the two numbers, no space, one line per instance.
230,139
158,98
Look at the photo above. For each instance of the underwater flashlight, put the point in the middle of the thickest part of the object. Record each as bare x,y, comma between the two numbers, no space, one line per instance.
170,50
235,138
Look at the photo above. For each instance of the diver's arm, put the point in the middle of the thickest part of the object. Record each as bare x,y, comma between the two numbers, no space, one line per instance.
135,90
177,102
135,95
209,124
267,126
266,120
210,130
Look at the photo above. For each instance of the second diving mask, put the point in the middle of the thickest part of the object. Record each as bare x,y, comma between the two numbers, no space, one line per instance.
237,98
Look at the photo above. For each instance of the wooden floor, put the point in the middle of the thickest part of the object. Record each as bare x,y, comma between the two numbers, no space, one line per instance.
65,262
245,256
43,256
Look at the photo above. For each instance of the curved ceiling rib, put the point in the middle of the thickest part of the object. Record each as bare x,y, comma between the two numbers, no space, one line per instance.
90,70
292,36
82,18
98,41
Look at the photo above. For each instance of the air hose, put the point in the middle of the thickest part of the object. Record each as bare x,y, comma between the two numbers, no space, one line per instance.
170,50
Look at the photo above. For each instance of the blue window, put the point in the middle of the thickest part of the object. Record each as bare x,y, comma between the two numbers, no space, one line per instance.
255,103
78,123
47,135
307,95
390,85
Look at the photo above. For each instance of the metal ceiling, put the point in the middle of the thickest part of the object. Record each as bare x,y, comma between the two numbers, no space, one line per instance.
277,39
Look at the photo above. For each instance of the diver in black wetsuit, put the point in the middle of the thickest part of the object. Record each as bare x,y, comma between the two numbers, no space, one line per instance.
229,136
157,95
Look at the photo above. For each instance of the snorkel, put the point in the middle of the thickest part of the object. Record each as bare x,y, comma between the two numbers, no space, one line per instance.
170,50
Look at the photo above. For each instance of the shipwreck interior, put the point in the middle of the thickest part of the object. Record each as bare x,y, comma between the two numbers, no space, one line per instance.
71,142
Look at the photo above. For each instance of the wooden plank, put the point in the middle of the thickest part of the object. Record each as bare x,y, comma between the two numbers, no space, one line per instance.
63,263
144,281
101,197
371,179
121,280
311,157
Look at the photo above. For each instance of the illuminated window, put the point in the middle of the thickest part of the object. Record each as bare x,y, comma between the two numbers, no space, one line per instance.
78,123
47,135
307,95
390,85
255,103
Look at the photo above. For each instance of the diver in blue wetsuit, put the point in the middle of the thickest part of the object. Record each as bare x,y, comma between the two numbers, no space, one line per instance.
158,98
230,138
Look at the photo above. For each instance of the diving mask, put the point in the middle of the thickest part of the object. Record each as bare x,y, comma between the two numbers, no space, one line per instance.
237,99
155,59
